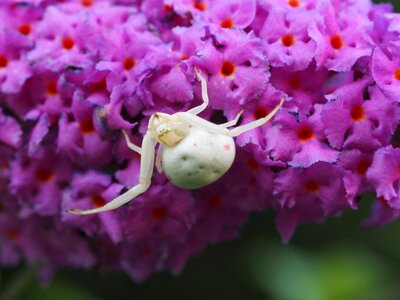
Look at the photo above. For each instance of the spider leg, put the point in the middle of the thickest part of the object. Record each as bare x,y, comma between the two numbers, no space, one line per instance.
215,128
198,122
146,171
204,94
232,122
131,145
249,126
159,158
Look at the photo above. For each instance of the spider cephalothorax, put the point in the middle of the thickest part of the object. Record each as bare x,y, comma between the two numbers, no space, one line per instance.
168,129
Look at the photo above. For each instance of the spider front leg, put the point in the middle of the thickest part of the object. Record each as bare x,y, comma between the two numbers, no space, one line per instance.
215,128
146,171
232,122
159,158
249,126
204,94
131,145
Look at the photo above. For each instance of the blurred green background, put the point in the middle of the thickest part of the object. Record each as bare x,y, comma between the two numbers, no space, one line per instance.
337,260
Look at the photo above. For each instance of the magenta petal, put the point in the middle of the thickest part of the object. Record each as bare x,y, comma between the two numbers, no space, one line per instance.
286,223
241,12
173,86
383,173
10,131
68,138
89,182
111,224
130,175
381,214
17,73
383,71
337,121
347,58
39,133
45,204
312,152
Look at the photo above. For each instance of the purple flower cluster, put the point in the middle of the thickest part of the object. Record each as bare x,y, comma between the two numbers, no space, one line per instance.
75,72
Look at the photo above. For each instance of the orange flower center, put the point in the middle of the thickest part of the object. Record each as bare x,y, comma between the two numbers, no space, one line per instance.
215,202
87,3
53,119
199,5
260,112
158,213
52,88
252,182
227,68
362,167
288,40
252,164
184,57
312,186
86,126
227,23
397,74
294,3
168,8
67,43
98,201
357,113
24,29
336,42
3,61
147,252
12,234
305,133
98,86
384,203
44,174
294,82
129,63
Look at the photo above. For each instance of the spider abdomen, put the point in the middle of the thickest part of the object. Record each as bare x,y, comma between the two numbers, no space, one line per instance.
199,159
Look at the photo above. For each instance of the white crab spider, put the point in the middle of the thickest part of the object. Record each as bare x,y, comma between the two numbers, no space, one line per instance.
193,152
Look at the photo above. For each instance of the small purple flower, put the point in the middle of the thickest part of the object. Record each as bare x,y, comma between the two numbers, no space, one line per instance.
306,87
341,41
14,68
38,183
382,214
386,72
10,131
93,189
366,123
237,67
286,40
293,5
380,33
10,237
257,109
123,55
299,140
384,175
308,195
79,139
64,41
161,216
356,164
231,14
